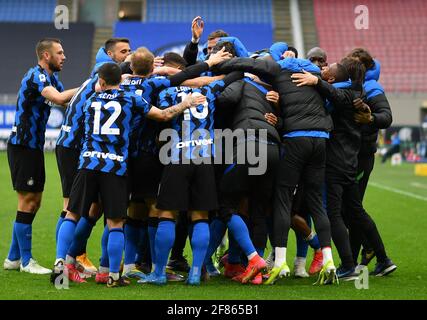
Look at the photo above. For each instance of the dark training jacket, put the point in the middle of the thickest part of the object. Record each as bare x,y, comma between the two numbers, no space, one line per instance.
380,109
302,108
247,100
345,140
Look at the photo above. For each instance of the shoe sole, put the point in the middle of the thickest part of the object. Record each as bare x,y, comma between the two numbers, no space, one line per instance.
387,271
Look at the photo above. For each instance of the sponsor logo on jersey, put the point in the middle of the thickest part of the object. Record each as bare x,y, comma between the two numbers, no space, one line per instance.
103,155
194,143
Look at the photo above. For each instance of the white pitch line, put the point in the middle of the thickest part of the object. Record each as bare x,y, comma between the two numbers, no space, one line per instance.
398,191
419,185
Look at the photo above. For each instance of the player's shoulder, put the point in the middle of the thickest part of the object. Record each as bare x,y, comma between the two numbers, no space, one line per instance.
38,74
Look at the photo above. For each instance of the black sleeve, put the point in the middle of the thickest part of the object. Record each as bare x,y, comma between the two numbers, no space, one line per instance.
189,73
339,97
190,53
380,109
265,69
231,94
218,86
125,68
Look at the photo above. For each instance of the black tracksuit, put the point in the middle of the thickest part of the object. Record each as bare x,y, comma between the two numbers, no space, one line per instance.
302,109
341,169
248,103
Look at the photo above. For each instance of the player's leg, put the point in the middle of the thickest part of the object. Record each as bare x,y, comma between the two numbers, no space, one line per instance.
173,196
288,176
199,244
358,216
114,198
177,261
28,178
314,178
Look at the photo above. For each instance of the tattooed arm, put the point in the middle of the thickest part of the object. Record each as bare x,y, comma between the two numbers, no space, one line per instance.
171,112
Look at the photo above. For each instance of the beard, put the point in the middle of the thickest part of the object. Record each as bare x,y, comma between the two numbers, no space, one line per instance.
54,68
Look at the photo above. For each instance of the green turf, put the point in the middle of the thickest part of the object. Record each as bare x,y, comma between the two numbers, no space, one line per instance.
401,220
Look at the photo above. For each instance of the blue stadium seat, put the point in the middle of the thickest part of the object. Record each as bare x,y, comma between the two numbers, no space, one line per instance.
218,11
27,10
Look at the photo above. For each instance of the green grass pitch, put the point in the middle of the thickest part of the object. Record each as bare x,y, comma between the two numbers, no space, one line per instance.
397,200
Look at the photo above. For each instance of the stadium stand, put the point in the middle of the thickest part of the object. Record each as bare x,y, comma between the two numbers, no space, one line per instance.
219,11
27,10
400,47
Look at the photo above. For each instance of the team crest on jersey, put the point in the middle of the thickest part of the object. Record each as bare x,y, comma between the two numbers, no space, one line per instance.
30,182
42,78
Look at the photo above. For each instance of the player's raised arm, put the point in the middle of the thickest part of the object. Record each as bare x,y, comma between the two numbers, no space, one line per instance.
171,112
59,98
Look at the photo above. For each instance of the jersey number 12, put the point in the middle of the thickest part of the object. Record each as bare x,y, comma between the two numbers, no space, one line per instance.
106,127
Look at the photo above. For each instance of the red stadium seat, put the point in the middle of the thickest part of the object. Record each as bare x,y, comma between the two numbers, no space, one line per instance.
400,47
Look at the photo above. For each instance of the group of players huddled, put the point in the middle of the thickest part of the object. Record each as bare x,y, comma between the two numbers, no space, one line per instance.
314,126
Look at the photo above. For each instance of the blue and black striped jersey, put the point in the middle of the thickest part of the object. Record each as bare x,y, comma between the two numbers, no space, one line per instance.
195,126
144,131
107,119
32,109
72,129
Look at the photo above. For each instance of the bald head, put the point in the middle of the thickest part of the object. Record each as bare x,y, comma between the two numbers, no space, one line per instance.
318,56
142,62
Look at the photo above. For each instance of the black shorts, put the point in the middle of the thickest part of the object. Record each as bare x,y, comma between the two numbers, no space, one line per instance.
187,187
26,168
67,160
111,188
237,182
145,173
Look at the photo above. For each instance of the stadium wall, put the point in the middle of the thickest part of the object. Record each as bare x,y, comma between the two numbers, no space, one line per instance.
18,54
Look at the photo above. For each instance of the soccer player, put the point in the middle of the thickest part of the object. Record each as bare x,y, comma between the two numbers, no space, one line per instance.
188,182
40,90
70,142
306,126
341,166
109,117
250,101
380,117
144,164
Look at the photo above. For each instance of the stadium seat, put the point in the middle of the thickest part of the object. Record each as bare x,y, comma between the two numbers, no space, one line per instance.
399,47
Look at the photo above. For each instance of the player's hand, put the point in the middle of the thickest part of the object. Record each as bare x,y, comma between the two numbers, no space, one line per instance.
193,100
197,26
271,118
304,79
360,106
218,57
364,117
158,62
288,54
272,96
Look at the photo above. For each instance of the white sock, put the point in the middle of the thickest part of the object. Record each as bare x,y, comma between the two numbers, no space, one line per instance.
128,267
253,254
114,275
103,269
300,261
280,256
327,254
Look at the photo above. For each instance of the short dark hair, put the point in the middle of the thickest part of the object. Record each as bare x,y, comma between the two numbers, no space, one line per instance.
110,72
174,58
45,44
364,56
294,50
110,43
355,69
229,47
217,34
